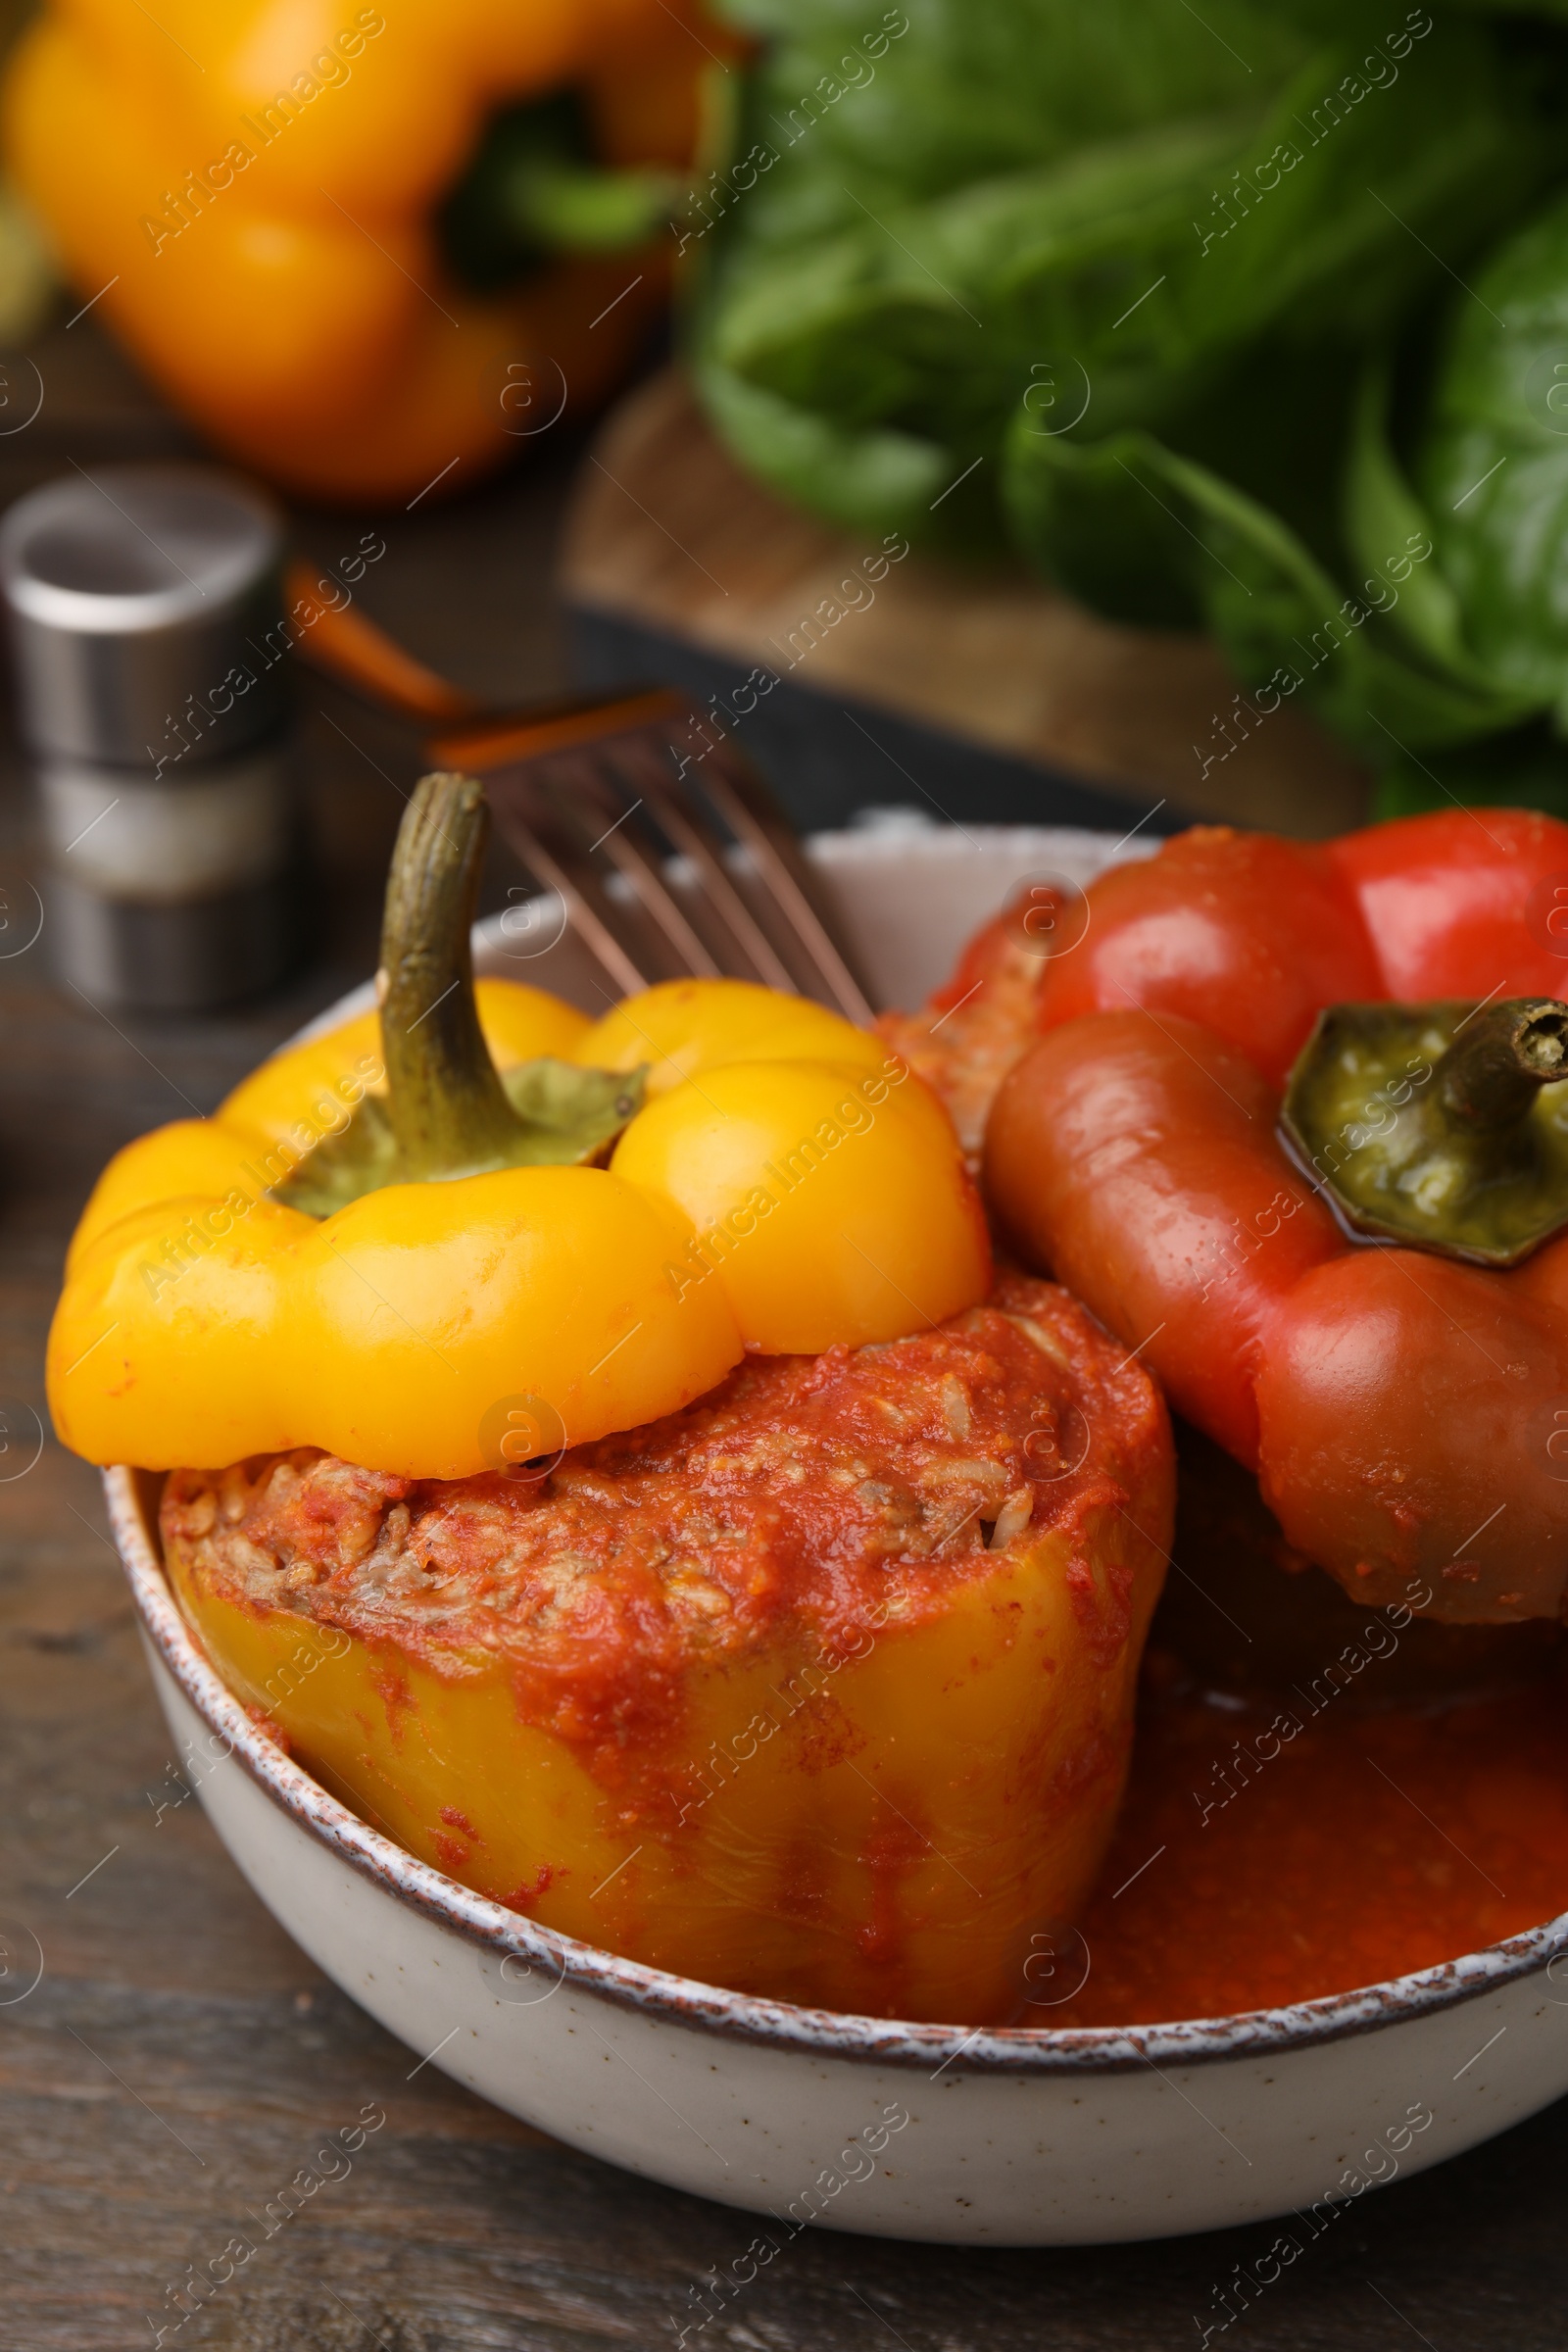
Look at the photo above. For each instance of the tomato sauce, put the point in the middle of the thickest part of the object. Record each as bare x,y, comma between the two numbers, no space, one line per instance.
1370,1844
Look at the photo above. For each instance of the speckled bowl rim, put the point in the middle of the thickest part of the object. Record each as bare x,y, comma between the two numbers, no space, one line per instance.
746,2017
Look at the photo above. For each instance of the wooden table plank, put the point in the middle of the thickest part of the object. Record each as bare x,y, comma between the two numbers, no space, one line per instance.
180,2060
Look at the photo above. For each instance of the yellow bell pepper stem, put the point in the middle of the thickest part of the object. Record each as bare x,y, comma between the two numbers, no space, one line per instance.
318,1080
276,1116
450,1113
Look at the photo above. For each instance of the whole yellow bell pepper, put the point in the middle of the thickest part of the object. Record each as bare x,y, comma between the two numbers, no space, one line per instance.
476,1284
269,202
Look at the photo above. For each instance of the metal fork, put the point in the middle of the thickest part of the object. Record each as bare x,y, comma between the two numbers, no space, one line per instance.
669,862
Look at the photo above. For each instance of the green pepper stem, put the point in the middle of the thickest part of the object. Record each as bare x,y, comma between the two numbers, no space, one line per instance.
1442,1125
1494,1068
448,1111
563,206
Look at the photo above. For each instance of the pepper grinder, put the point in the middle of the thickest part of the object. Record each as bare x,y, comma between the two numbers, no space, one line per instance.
147,627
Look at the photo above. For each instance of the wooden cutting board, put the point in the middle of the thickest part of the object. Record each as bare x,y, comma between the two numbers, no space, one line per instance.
980,687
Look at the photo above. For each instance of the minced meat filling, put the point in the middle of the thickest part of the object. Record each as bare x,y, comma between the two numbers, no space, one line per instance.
851,1488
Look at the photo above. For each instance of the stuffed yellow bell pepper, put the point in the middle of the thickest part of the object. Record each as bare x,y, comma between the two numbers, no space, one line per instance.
695,1552
365,247
821,1688
443,1250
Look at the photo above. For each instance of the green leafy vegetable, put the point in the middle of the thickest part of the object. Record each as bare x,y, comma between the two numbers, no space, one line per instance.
1494,462
1124,286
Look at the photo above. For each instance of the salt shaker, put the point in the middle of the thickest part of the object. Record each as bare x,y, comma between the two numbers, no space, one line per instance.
147,627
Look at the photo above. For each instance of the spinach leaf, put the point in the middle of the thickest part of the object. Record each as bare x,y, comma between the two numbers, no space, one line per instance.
876,480
1122,287
1493,462
1381,510
928,315
1230,562
1137,266
978,89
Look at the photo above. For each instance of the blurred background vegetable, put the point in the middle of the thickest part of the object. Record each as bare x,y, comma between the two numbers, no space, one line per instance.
361,250
1254,319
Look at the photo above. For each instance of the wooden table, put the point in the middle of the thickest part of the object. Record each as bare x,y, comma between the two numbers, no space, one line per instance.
180,2060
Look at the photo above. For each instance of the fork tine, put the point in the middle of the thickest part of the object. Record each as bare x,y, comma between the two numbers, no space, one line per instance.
747,808
579,782
680,823
546,774
515,802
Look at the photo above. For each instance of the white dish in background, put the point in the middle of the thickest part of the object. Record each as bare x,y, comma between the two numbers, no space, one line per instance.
1012,2138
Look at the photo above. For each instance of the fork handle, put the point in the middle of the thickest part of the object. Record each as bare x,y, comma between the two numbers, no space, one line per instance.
354,652
346,647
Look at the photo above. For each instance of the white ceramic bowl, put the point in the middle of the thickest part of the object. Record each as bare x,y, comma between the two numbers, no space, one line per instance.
1011,2137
